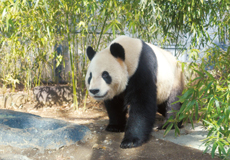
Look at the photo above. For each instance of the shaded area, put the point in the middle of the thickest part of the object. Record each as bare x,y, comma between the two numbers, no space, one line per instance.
155,149
55,94
24,130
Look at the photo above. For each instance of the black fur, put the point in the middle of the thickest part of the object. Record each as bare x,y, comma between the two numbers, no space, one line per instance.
167,106
94,91
140,94
90,52
107,78
90,77
117,51
117,114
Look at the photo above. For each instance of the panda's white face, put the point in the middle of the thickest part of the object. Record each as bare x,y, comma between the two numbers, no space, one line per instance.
106,76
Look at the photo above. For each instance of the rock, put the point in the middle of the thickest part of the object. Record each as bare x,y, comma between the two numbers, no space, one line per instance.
54,94
99,146
24,130
14,100
13,157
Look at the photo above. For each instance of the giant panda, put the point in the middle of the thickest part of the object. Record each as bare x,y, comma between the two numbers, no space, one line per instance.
131,72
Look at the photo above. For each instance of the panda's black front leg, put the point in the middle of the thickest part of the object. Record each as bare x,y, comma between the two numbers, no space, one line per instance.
117,114
140,123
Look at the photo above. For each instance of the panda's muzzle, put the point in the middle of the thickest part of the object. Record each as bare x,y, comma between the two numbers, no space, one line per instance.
96,96
94,91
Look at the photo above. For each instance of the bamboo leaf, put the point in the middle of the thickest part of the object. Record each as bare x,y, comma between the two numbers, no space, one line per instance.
4,13
36,4
196,110
187,94
213,149
168,129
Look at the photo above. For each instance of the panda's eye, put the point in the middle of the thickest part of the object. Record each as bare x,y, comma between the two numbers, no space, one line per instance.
105,75
90,77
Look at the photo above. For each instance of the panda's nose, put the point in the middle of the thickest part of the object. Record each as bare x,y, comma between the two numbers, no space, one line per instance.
94,91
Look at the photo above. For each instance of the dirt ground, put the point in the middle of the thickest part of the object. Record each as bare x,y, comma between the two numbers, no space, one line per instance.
102,145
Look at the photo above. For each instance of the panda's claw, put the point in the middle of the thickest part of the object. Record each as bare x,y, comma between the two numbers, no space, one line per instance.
131,143
115,128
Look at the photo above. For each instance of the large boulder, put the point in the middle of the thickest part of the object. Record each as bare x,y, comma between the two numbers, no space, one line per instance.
26,130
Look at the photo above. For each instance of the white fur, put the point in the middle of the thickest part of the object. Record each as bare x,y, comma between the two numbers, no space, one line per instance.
167,73
104,61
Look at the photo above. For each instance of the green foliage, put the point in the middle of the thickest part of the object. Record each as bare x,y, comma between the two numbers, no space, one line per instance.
208,99
30,29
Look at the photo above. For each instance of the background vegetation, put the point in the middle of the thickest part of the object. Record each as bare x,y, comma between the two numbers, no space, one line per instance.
31,30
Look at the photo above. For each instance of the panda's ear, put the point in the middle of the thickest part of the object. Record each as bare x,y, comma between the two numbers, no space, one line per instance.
117,51
90,52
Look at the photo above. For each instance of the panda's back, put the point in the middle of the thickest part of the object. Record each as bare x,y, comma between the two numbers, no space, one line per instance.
168,74
167,71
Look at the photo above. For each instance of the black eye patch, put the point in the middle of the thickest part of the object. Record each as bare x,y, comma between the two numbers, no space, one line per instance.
105,75
90,77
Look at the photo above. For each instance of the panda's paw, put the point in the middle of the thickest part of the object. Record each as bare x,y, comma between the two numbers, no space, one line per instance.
131,143
115,128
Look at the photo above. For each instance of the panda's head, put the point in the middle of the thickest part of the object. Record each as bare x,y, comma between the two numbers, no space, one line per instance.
107,74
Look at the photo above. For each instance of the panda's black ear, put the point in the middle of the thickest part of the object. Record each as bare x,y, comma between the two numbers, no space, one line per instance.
90,52
117,51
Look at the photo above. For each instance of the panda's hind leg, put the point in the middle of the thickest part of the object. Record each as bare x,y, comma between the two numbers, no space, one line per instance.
162,108
167,106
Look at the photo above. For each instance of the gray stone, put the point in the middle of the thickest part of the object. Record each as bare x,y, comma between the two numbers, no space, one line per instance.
13,99
13,157
54,94
26,130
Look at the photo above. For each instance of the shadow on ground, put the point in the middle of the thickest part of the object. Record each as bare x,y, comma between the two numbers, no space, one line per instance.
53,94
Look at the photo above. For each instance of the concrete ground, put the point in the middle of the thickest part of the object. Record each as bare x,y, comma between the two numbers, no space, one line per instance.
188,136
